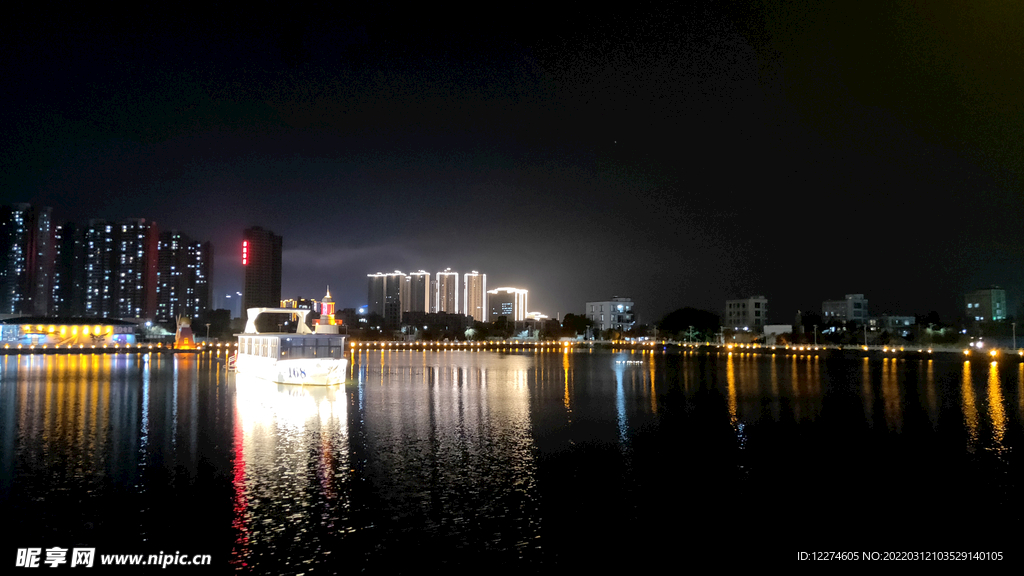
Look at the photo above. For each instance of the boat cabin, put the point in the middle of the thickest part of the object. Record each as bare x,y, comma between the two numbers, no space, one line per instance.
291,346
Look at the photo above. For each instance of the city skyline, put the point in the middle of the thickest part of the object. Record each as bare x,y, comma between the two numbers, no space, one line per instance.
684,155
390,295
71,267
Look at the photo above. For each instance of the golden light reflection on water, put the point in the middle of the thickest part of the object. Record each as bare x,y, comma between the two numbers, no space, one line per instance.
752,391
891,394
796,388
1020,388
996,412
686,368
565,395
92,419
651,390
775,377
815,379
62,405
970,410
867,393
930,394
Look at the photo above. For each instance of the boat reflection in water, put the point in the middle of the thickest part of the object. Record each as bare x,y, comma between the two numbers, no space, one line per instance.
262,402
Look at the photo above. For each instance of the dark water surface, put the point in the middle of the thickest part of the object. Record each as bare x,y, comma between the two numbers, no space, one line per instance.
531,461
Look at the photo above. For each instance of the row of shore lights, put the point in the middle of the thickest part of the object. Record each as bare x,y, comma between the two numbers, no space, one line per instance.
399,345
885,349
106,346
538,344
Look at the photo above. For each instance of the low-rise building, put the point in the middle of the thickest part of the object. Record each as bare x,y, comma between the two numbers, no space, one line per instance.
901,325
773,331
747,314
853,308
67,332
436,321
987,305
614,314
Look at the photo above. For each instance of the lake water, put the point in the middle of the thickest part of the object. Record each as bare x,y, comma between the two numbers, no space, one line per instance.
537,461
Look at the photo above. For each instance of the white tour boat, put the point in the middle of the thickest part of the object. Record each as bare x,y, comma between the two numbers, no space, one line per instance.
305,357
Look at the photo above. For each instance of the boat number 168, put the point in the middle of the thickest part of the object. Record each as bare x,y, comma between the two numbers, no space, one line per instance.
297,372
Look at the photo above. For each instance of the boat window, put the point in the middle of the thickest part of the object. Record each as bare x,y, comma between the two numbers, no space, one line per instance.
307,348
337,349
263,347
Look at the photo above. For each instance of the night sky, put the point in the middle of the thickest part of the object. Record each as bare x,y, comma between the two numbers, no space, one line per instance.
680,156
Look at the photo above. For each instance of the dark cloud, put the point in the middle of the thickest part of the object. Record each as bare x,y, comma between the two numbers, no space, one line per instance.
681,155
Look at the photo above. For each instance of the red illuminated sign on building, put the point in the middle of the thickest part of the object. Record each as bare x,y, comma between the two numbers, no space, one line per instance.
245,252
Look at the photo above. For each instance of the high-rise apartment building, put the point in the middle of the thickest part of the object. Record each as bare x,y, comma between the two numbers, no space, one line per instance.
199,289
475,296
393,284
183,277
138,243
120,269
261,256
447,296
375,293
987,305
68,294
384,294
746,313
100,268
416,296
507,302
26,259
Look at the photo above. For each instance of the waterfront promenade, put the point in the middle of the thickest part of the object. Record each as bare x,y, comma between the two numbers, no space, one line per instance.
664,346
699,347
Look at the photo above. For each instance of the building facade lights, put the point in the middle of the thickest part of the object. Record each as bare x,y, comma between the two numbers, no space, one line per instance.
446,297
475,296
509,302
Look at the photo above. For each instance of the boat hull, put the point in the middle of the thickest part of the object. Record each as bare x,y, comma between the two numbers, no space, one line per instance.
303,372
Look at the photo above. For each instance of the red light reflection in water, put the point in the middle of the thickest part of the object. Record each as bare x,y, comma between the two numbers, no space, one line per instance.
241,503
